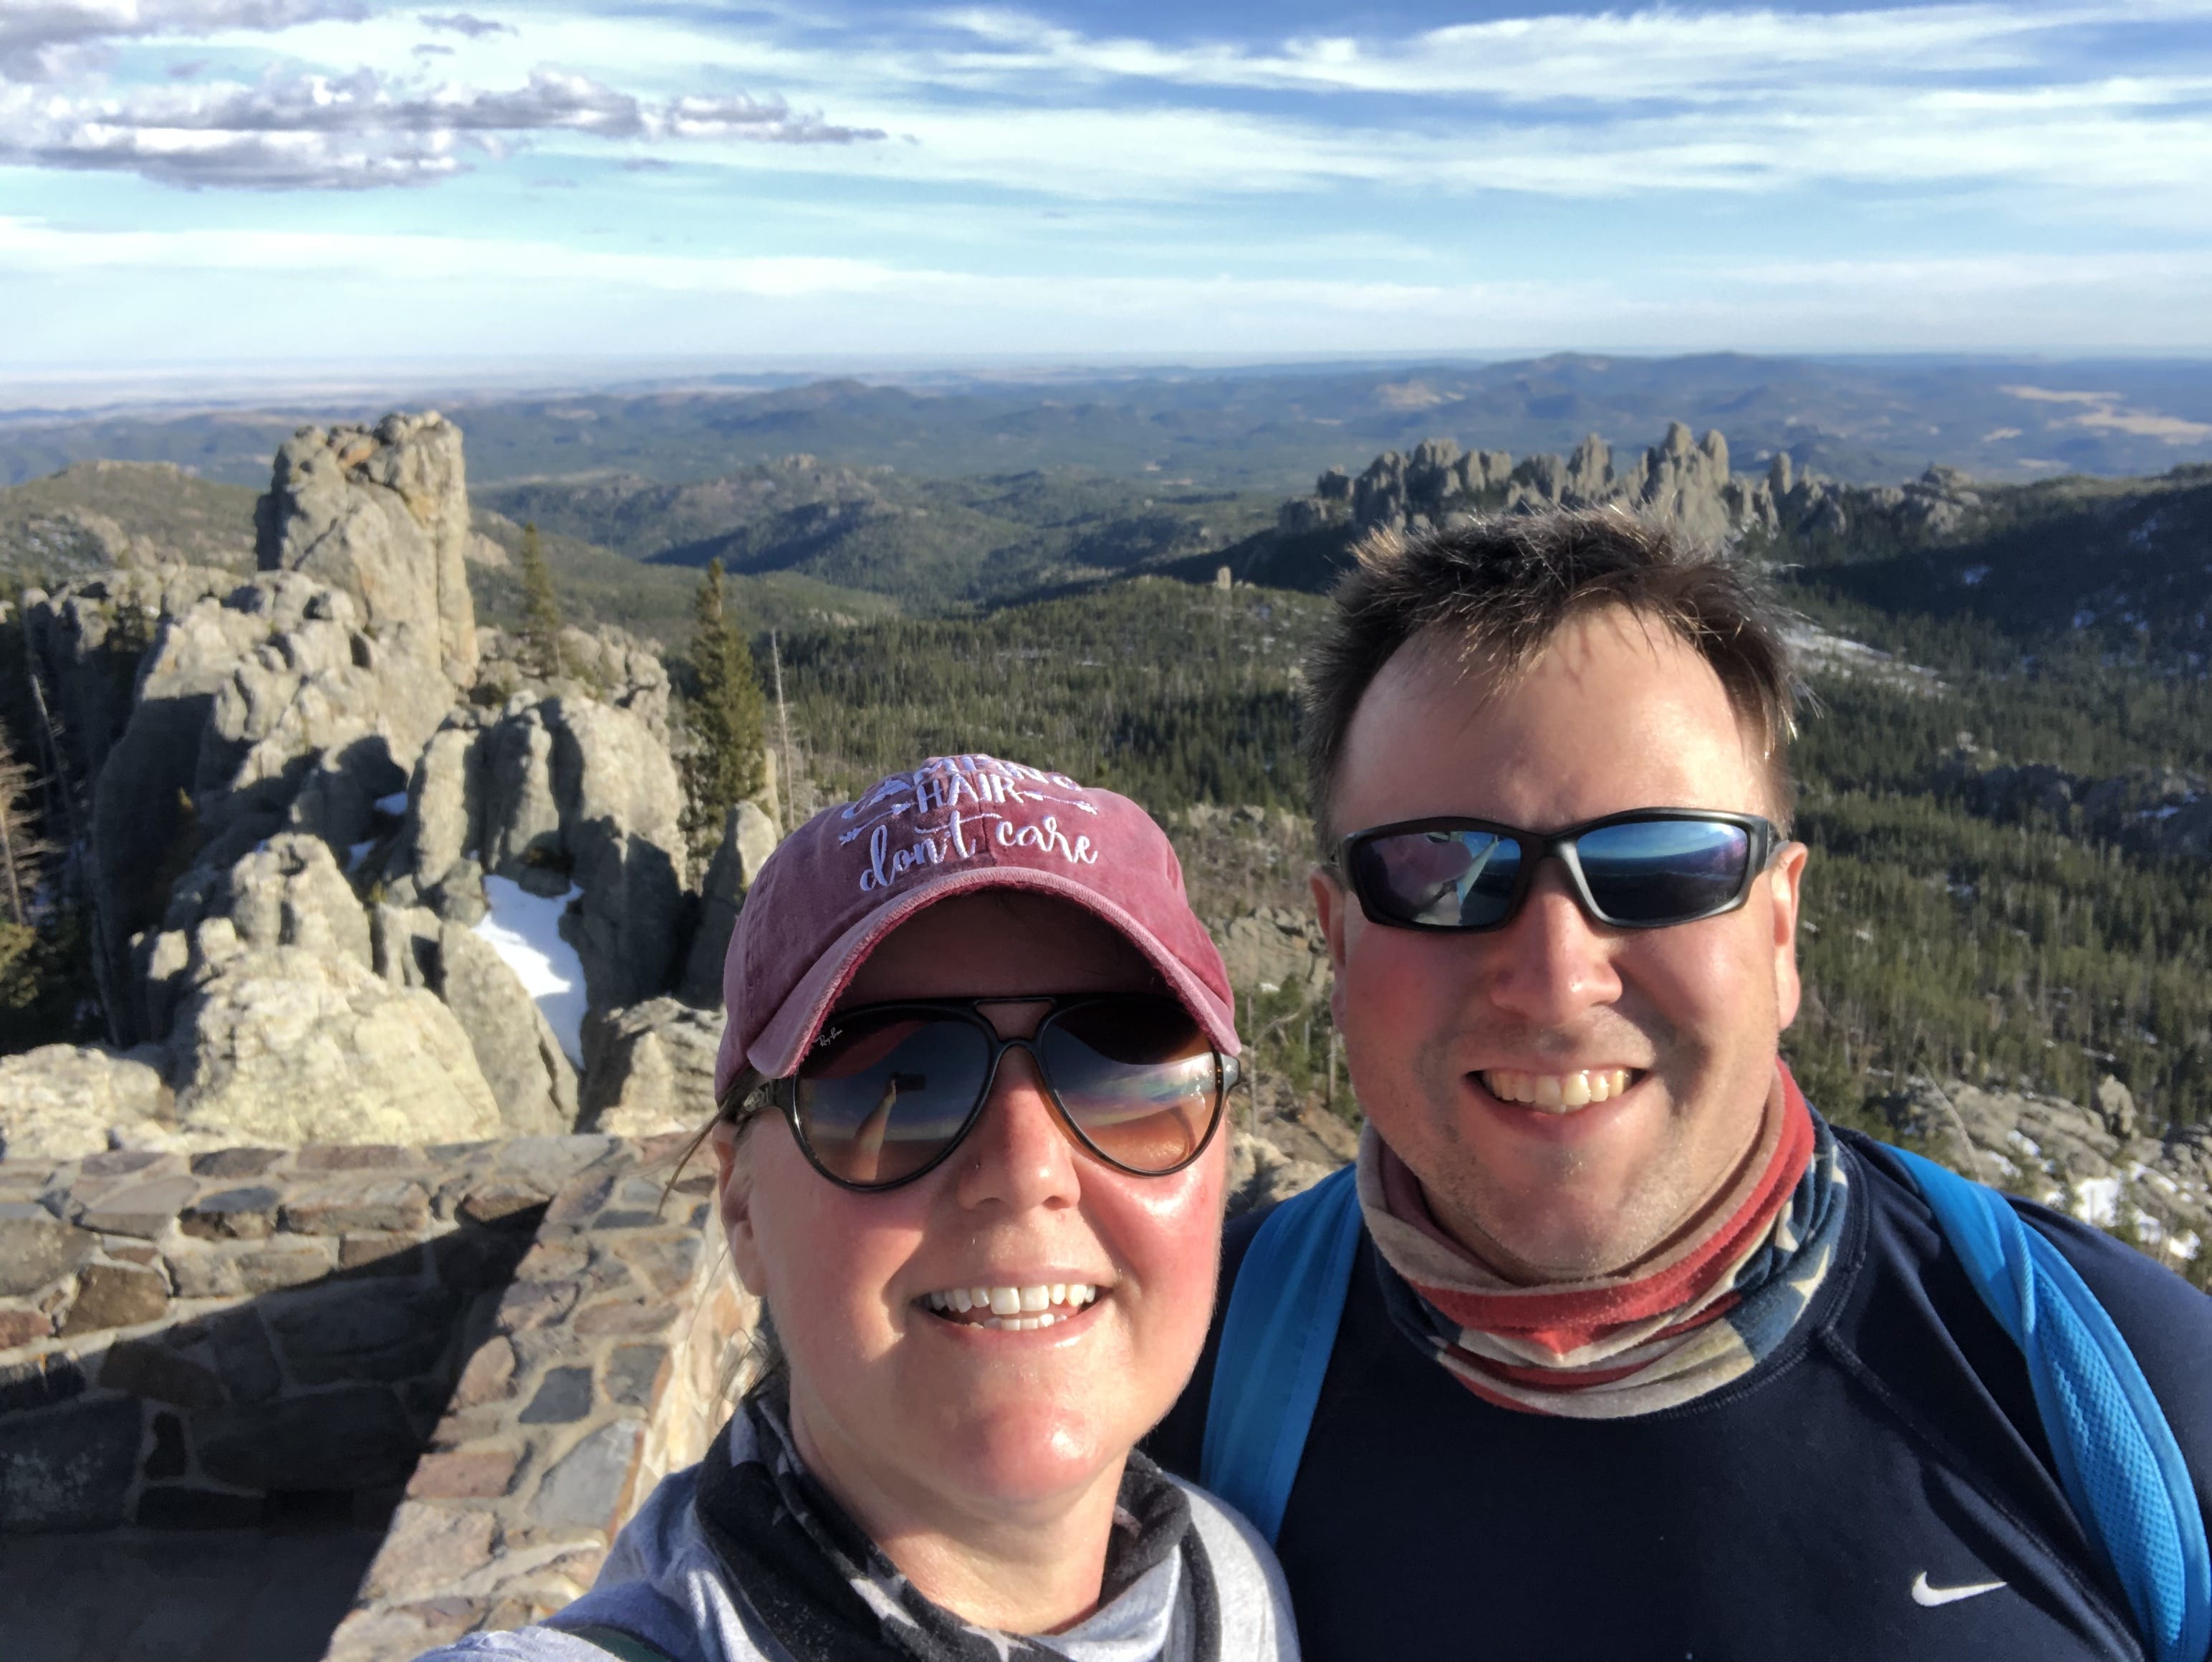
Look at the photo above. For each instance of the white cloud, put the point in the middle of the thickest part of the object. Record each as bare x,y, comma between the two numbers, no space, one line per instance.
363,131
44,39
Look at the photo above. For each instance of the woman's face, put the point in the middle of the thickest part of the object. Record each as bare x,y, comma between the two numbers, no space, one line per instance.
901,1410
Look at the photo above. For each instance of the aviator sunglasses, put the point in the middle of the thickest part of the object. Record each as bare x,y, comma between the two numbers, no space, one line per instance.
889,1089
1646,869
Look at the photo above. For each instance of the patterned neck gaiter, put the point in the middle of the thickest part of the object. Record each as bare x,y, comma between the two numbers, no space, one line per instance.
829,1594
1703,1313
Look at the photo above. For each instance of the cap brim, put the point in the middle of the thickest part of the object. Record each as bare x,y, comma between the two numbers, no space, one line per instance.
784,1038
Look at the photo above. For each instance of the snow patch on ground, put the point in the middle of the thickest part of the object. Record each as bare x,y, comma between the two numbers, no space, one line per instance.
525,930
395,805
2097,1200
356,853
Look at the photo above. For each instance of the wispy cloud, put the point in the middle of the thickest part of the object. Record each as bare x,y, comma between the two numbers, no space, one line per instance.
462,22
45,40
361,131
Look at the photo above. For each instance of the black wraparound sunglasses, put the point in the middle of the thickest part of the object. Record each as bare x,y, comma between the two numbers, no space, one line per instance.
888,1091
1648,868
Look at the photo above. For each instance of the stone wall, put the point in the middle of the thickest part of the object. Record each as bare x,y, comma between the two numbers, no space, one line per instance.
498,1347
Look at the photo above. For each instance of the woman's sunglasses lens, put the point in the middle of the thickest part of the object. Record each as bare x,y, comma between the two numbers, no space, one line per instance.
1663,871
1138,1078
1452,879
886,1095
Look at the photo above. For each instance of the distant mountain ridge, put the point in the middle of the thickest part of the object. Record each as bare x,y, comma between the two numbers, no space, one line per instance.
1862,421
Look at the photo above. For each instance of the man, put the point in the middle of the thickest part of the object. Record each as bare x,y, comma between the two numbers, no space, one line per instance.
1638,1357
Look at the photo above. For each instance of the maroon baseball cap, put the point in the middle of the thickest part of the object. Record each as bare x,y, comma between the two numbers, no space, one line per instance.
853,874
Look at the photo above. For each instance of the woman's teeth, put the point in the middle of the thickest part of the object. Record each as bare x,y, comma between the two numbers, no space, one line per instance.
1012,1309
1557,1093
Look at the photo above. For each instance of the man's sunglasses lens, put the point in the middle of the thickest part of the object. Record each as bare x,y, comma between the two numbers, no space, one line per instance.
1137,1078
889,1093
1640,872
1663,871
1448,879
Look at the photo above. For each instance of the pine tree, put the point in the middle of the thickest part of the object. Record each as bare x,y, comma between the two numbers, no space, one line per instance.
541,612
727,715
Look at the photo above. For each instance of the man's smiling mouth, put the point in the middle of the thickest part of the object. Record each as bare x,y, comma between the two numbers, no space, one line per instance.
1558,1093
1012,1309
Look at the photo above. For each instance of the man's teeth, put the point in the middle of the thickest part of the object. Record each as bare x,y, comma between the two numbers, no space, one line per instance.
1014,1309
1557,1093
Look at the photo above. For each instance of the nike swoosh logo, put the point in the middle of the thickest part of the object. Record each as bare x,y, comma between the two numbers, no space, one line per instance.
1929,1598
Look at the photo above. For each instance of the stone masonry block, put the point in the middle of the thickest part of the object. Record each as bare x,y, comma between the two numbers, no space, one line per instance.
355,1437
501,1198
587,1487
116,1295
140,1367
351,1157
364,1330
243,1354
70,1467
36,1248
233,1163
381,1252
138,1208
464,1474
564,1396
633,1373
123,1162
284,1264
334,1209
23,1327
629,1318
428,1548
205,1272
529,1305
665,1261
240,1215
488,1377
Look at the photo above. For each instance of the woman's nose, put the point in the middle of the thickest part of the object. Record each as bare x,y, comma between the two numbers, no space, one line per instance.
1019,1156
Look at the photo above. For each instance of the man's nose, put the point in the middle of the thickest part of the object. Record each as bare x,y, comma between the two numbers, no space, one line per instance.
1551,962
1019,1156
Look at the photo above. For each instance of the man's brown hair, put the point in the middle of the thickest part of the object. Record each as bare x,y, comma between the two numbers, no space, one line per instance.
1502,586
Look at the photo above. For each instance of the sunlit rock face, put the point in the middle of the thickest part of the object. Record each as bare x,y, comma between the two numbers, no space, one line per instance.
382,513
345,887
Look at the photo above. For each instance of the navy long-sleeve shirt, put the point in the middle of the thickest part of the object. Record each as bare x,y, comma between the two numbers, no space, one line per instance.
1837,1502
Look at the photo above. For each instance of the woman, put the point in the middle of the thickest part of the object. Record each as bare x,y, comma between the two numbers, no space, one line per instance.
977,1057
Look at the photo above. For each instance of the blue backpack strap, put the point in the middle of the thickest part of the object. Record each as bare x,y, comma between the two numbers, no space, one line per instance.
1275,1342
2116,1457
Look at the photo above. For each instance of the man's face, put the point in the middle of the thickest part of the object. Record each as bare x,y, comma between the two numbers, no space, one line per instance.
1613,715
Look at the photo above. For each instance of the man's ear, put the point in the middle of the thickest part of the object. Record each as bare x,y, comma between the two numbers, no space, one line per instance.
1787,876
1332,905
733,1187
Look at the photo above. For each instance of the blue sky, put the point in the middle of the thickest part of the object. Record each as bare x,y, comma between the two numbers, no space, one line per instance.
235,186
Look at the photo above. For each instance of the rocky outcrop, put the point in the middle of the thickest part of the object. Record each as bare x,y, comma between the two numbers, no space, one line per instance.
382,513
298,808
1272,949
62,1102
651,1068
1683,480
2154,810
749,837
2099,1160
285,1045
515,1047
551,794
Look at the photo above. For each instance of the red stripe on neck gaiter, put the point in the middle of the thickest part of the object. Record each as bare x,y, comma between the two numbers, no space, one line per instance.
1563,1320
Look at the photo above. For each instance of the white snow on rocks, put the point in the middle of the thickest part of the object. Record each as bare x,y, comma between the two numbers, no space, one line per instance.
525,930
